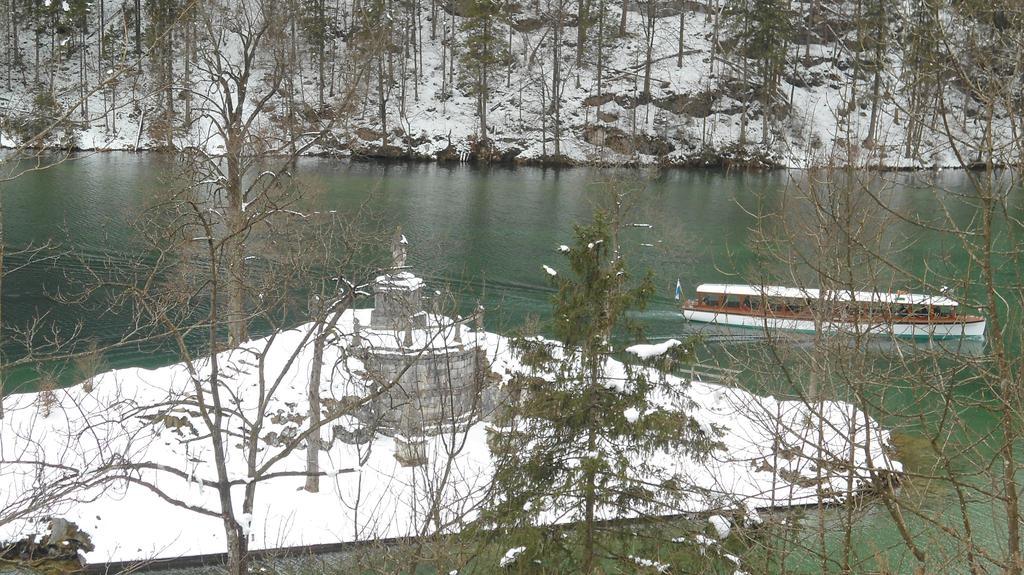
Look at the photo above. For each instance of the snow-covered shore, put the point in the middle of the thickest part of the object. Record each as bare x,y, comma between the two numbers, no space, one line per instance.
774,454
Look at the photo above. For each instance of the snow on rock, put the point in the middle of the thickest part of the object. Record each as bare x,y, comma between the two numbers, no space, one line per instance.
141,417
647,351
510,556
721,526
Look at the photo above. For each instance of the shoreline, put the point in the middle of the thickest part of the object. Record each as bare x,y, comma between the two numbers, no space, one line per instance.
715,162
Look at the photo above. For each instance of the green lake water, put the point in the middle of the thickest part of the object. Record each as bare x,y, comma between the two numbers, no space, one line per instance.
486,232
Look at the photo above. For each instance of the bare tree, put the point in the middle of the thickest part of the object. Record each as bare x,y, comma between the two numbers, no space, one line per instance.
846,231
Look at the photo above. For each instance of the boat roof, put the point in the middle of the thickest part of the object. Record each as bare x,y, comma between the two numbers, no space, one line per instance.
810,293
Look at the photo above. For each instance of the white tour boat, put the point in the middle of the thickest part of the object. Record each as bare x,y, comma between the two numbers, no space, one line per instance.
897,314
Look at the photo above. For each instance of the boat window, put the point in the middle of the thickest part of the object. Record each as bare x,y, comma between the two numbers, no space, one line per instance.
732,301
709,299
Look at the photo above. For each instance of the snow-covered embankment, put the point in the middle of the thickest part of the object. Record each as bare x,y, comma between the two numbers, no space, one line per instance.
776,453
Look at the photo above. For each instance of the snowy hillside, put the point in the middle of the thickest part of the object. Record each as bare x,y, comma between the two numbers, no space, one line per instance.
839,89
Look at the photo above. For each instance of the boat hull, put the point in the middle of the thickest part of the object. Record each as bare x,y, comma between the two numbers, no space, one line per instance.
921,330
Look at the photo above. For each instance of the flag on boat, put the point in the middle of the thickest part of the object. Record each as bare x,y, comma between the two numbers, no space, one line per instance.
679,289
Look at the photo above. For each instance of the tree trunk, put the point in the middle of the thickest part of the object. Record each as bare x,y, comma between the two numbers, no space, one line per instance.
417,32
313,445
556,78
403,76
168,57
766,102
543,120
582,16
322,15
682,27
912,111
138,28
35,66
313,442
382,106
82,74
590,495
187,74
8,44
592,360
444,60
714,43
743,112
511,63
101,29
238,547
482,93
648,58
452,55
600,44
237,325
332,81
433,22
869,141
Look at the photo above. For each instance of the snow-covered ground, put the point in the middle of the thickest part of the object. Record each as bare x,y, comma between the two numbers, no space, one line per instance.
692,117
775,453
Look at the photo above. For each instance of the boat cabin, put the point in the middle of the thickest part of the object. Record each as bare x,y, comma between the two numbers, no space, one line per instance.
798,303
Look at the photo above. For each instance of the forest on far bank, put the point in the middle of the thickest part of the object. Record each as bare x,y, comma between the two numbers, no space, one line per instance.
880,83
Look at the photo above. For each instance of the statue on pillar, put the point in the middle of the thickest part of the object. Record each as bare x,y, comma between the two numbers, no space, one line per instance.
399,249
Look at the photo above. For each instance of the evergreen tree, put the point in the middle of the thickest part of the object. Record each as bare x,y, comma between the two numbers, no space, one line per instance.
762,31
373,42
577,439
874,42
922,69
318,26
485,51
161,36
